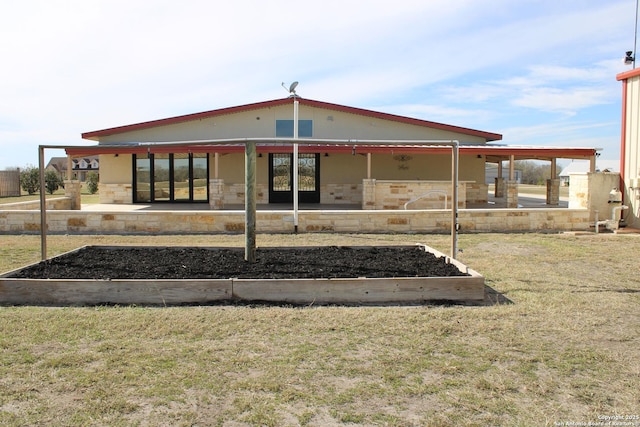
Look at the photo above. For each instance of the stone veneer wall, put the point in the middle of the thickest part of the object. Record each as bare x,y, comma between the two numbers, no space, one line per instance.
116,193
73,190
336,194
348,221
59,203
392,195
477,192
591,191
234,194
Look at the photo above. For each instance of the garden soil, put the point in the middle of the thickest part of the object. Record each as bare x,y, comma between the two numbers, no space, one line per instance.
222,263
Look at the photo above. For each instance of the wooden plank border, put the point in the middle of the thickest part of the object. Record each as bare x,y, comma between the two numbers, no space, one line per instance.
358,291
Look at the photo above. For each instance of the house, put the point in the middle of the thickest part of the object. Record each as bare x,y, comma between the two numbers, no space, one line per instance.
80,167
153,161
630,147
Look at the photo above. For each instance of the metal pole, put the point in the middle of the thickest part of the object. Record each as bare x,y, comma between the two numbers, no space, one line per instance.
250,201
43,206
295,164
454,200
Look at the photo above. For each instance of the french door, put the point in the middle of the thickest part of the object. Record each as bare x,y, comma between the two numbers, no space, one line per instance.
281,178
175,177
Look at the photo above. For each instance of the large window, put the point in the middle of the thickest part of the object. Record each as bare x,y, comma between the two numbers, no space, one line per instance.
176,177
284,128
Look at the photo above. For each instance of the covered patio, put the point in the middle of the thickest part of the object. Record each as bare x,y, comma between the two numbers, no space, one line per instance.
371,193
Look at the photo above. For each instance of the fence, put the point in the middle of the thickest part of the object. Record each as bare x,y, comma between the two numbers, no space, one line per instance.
10,183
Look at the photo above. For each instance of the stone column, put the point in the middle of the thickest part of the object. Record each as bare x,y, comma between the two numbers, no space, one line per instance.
553,192
511,188
216,194
499,187
368,194
73,190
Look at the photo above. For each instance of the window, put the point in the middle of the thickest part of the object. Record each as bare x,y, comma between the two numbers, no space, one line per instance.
284,128
175,177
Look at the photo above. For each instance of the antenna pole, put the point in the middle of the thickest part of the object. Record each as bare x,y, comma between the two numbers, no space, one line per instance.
635,37
295,164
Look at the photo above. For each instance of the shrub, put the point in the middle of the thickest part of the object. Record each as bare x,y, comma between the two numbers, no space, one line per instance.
92,182
52,181
30,179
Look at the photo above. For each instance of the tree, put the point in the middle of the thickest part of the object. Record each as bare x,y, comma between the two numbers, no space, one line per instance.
52,181
533,172
30,179
92,182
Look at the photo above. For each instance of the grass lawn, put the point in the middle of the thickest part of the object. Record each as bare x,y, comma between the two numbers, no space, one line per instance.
566,350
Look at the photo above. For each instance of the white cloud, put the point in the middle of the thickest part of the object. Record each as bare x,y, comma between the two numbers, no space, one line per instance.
565,101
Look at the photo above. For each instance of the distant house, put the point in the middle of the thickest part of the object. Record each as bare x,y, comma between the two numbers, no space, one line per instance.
80,167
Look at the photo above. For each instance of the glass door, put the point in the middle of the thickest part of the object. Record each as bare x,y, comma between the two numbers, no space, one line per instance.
281,181
200,177
161,181
181,180
176,177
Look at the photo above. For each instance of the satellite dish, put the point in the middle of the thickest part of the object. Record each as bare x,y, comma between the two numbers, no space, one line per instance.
292,88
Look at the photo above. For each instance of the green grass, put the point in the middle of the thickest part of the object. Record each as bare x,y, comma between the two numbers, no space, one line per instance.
566,349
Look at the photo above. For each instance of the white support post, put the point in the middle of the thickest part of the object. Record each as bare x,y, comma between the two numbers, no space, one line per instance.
295,164
454,199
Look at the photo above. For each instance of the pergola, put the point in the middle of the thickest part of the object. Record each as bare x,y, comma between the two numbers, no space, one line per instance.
250,148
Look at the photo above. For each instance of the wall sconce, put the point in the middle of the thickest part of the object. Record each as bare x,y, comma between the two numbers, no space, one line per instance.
116,155
259,154
326,154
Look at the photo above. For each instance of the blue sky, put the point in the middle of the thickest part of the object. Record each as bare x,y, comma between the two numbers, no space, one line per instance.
540,72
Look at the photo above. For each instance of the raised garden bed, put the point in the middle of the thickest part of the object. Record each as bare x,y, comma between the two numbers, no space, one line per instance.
299,275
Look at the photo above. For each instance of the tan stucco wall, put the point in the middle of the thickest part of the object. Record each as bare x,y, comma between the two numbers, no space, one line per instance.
261,123
116,170
343,168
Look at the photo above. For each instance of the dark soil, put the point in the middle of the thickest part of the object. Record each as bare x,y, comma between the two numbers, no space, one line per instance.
225,263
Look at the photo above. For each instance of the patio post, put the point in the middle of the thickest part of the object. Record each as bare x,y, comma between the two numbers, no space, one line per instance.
250,201
43,206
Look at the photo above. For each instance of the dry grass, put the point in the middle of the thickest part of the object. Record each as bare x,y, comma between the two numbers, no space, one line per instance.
566,350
